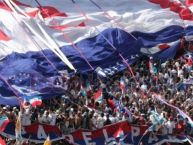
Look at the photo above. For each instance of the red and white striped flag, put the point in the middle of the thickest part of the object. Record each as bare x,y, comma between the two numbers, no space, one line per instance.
122,85
3,122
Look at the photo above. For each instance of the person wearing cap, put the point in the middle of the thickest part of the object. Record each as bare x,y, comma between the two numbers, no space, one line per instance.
3,111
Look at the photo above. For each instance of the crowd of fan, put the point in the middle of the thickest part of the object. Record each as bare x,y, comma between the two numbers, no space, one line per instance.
75,109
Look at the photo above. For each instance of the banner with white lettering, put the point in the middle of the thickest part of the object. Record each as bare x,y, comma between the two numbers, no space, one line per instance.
36,132
121,133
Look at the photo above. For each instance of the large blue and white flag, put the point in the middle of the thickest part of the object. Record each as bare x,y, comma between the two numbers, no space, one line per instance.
40,38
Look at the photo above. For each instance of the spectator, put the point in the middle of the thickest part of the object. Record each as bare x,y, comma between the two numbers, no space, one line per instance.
46,118
75,110
100,121
107,121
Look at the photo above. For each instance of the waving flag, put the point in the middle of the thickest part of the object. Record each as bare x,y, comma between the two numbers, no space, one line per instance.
2,142
122,85
98,96
93,34
112,103
183,114
116,104
156,119
25,104
181,7
3,122
34,100
120,134
128,112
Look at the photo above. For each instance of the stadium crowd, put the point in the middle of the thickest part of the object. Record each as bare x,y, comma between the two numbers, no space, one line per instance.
78,109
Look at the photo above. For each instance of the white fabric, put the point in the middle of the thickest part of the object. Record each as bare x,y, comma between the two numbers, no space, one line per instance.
26,119
131,14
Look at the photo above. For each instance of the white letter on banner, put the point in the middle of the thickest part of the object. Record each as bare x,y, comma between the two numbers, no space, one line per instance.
69,138
135,131
87,139
171,138
152,138
107,139
41,132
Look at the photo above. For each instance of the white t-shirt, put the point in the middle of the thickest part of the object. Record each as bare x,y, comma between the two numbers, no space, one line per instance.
173,71
177,64
46,119
166,75
52,118
170,126
94,123
180,72
100,122
113,119
107,109
26,119
40,118
144,87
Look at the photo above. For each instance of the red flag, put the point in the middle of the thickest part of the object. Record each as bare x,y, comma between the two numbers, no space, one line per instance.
189,61
2,142
98,96
111,103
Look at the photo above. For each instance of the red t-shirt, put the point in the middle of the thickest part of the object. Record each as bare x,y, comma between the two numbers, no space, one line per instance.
180,127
